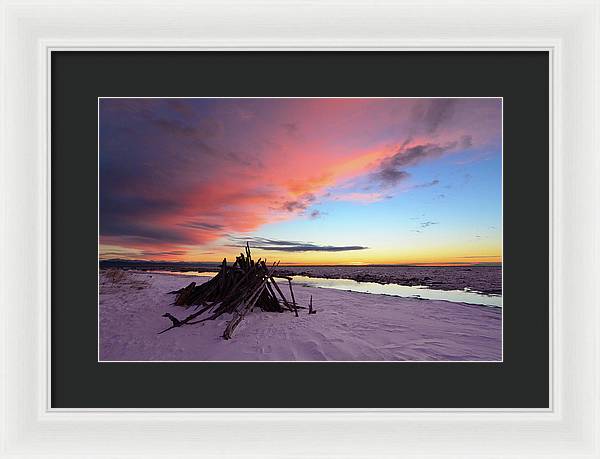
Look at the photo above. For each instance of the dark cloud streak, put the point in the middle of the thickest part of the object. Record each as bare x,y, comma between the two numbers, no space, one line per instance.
202,226
391,169
428,184
289,246
302,203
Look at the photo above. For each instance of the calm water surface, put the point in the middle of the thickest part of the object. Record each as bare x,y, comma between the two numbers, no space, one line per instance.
459,296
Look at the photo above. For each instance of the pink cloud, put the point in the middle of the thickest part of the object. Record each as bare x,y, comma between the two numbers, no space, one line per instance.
181,174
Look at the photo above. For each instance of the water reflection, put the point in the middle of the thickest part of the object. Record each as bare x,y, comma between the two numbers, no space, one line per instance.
459,296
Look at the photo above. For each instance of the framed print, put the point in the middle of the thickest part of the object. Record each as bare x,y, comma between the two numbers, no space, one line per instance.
382,173
362,225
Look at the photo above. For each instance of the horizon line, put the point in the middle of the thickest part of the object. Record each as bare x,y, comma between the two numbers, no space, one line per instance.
419,263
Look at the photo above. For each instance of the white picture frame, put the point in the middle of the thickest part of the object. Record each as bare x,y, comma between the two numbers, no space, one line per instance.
568,29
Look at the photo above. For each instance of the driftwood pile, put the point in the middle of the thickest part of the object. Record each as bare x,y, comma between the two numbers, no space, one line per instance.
236,290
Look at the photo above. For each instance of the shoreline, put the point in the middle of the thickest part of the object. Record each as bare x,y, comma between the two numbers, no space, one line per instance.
390,289
349,326
436,278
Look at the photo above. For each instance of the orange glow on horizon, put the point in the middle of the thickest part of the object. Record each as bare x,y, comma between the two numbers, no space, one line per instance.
316,258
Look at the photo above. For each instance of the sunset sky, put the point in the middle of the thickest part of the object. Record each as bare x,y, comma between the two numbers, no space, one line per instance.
331,181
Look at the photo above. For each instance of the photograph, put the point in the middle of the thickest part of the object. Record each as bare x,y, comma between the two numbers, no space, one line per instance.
300,229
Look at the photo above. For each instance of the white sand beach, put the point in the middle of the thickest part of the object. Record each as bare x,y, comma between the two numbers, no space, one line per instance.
348,326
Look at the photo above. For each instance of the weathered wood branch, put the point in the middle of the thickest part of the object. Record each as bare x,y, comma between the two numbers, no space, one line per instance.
310,308
293,299
185,294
